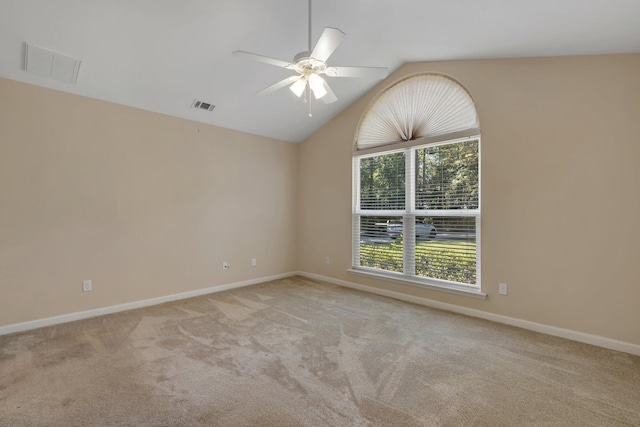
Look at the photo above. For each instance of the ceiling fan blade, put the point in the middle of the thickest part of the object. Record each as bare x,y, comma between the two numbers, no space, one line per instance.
327,43
367,72
330,97
265,59
282,83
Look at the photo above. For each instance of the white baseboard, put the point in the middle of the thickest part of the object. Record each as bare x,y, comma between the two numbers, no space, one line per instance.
49,321
525,324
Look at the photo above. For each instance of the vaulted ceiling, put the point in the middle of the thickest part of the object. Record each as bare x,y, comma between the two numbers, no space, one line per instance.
161,55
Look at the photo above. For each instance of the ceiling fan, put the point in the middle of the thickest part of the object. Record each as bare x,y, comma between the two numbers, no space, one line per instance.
310,64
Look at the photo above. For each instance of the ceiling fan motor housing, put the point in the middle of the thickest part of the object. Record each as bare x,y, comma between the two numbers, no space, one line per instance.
305,64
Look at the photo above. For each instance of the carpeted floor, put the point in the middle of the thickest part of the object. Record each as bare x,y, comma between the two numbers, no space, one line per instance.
299,352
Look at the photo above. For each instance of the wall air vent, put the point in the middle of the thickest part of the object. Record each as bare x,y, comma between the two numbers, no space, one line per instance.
200,105
47,63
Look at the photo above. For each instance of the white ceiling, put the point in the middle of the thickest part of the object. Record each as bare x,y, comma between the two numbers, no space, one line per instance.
160,55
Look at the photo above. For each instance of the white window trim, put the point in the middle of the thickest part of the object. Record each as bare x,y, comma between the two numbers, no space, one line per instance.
465,135
447,287
406,277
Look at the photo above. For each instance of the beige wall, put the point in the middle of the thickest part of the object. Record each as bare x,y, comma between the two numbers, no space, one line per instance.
143,204
560,191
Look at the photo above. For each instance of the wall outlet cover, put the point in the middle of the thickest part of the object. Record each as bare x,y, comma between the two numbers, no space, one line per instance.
502,288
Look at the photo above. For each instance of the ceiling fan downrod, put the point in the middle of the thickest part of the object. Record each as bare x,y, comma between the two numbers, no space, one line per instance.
309,26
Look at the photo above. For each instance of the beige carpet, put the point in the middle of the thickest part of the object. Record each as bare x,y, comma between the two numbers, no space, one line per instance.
299,352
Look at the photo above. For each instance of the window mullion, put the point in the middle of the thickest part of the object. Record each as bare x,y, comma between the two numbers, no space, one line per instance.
410,179
408,220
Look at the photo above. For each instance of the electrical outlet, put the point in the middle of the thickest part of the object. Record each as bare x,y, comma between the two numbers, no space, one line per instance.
225,265
502,288
327,260
254,262
86,285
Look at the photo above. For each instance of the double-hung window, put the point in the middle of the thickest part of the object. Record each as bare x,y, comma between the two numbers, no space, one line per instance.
416,205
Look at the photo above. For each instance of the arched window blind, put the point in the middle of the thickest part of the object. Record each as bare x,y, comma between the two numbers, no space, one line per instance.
417,107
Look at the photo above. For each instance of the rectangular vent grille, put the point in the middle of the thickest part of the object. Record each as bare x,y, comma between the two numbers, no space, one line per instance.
200,105
47,63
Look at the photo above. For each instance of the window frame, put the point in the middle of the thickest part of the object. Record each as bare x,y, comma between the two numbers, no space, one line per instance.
409,214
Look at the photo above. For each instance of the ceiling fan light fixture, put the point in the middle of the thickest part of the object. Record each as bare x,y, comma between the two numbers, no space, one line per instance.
298,87
317,86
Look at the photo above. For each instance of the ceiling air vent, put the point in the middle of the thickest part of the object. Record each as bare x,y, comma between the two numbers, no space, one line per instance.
200,105
47,63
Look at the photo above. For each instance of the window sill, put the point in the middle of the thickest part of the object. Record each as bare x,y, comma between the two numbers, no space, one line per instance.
398,278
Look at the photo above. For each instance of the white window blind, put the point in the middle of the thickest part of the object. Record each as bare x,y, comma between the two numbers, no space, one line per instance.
417,107
447,176
382,182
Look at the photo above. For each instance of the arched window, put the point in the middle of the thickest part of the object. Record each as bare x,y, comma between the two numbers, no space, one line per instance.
416,195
